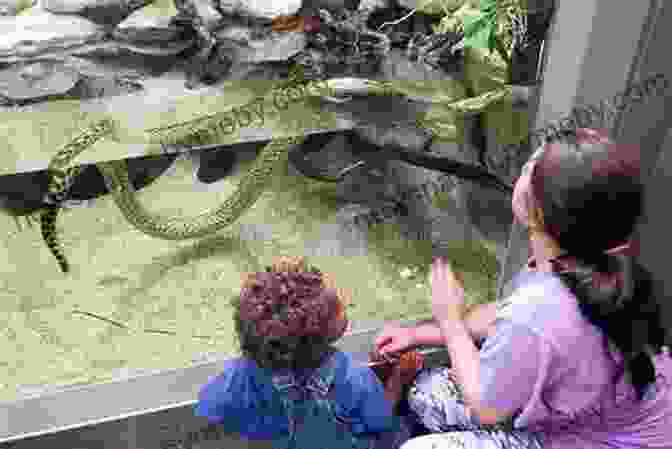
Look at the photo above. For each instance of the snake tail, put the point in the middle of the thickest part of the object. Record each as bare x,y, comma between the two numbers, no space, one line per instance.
61,179
48,227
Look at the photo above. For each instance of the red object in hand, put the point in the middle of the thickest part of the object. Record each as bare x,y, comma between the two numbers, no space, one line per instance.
409,364
311,24
405,367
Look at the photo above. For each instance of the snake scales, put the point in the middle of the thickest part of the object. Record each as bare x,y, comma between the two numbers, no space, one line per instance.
115,173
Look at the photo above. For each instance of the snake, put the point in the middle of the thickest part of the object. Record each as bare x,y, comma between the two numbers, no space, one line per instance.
115,175
61,179
250,187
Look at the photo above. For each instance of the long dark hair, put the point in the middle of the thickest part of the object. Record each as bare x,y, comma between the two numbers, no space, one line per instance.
589,190
289,315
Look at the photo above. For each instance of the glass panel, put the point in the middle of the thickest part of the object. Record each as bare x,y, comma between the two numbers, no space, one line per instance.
368,197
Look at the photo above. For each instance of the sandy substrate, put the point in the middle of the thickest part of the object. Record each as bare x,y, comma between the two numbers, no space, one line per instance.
183,288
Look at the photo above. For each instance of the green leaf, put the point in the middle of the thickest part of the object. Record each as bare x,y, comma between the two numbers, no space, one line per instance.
473,23
488,6
478,37
454,22
484,70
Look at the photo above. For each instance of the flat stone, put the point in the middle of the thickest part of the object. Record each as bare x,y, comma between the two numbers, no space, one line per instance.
146,30
32,81
41,32
276,46
206,11
104,12
165,49
261,9
374,5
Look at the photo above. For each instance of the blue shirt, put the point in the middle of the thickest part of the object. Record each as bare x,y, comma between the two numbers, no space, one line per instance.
244,400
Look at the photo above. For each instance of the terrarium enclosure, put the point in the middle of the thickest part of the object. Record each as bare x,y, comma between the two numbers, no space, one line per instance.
154,152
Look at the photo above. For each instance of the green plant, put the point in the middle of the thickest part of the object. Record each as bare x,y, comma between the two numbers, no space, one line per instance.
491,31
492,27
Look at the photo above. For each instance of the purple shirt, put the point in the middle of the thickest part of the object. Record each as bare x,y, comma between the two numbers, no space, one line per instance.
550,365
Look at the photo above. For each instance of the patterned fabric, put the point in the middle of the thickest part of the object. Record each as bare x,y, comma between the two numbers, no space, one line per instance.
436,402
315,418
340,405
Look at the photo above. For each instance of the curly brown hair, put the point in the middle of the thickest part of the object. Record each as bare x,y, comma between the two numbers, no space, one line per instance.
289,315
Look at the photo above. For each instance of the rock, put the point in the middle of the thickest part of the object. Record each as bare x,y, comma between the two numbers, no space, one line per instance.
212,69
13,7
374,5
103,12
312,7
141,28
163,49
275,46
46,78
260,9
204,9
41,33
150,34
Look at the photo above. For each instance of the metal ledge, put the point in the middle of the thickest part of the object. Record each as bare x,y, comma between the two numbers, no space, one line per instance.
133,412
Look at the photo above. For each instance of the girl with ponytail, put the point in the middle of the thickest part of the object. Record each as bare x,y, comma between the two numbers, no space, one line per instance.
574,358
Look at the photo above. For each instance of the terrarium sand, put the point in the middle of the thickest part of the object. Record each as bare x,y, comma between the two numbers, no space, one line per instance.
183,288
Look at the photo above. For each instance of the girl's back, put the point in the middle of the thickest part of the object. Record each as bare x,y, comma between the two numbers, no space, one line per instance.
576,404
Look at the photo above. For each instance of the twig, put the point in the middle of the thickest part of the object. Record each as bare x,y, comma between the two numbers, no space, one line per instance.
102,318
159,331
398,21
123,326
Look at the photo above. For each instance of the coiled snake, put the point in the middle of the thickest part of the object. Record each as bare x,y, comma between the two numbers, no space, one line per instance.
115,174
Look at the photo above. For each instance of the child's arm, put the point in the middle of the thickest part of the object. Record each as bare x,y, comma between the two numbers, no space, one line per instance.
479,320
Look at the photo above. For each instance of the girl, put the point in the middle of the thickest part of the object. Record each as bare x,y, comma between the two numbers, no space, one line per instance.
575,356
292,386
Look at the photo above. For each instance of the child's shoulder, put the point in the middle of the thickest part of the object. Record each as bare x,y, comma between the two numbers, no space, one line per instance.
350,369
232,371
346,361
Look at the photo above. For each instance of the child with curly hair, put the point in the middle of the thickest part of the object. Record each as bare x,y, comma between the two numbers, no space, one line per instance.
292,386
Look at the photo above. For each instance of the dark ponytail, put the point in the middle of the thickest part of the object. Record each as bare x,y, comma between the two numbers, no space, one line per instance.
590,193
615,294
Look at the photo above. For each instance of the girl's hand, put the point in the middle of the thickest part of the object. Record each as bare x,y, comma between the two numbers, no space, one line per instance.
394,339
447,293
